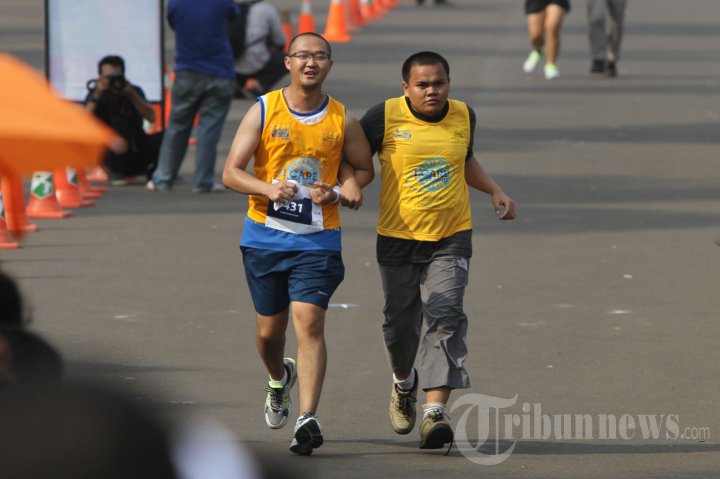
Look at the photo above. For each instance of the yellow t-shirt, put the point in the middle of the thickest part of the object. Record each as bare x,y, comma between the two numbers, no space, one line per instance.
292,150
424,195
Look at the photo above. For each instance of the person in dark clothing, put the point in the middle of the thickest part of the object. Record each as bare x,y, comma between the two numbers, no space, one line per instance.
122,106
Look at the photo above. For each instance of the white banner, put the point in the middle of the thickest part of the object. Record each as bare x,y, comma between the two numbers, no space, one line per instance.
81,32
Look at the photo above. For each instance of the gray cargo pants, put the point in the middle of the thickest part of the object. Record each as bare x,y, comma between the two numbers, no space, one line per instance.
424,309
600,37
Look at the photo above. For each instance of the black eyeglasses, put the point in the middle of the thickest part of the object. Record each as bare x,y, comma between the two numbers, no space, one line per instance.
305,56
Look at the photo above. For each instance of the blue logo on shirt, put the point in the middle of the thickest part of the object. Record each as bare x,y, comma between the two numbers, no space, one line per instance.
305,171
433,175
282,133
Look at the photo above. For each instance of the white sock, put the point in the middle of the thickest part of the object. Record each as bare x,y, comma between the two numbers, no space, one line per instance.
282,382
407,383
433,406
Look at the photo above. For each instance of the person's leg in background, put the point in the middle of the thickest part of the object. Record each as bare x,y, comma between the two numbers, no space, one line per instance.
536,35
553,23
596,13
214,107
186,93
616,9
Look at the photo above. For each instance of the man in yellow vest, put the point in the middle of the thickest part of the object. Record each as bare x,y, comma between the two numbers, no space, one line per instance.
425,145
291,236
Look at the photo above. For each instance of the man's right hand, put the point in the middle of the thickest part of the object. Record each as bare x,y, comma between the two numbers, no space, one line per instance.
282,191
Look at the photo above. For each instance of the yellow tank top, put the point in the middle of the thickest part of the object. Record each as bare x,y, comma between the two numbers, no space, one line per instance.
424,195
292,150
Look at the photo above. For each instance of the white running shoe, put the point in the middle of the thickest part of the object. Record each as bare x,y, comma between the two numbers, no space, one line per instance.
551,71
532,60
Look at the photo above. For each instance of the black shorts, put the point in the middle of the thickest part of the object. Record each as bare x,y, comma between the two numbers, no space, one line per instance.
537,6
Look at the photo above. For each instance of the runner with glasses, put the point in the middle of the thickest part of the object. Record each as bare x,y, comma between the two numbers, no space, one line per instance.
291,237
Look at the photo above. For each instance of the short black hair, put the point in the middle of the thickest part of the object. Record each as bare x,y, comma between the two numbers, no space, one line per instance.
114,60
423,58
292,42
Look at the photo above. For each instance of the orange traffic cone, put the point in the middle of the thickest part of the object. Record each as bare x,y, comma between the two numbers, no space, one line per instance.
84,177
68,192
157,124
16,219
6,242
335,30
162,109
356,15
368,11
349,24
43,204
306,22
390,4
87,191
98,175
168,97
286,27
379,8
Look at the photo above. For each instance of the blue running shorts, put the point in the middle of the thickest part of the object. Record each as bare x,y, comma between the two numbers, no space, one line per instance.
277,277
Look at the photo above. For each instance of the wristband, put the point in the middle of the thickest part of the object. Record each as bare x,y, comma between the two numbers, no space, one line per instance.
337,195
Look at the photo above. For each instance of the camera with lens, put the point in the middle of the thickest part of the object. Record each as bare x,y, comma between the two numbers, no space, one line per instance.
116,83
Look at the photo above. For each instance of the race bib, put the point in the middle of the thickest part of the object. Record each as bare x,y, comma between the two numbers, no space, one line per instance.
299,215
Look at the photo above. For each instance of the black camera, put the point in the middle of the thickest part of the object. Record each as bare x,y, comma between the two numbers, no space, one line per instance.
117,83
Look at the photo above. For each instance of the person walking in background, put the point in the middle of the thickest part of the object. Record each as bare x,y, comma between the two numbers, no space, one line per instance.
204,83
424,143
262,58
291,237
544,21
604,43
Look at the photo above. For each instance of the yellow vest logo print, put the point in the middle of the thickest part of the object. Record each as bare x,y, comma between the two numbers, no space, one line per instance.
305,171
282,133
432,175
404,135
330,138
457,135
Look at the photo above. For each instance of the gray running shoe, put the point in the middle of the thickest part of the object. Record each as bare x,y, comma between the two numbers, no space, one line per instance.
277,403
307,435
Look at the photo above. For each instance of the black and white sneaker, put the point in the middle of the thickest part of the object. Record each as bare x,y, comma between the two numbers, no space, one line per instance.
307,435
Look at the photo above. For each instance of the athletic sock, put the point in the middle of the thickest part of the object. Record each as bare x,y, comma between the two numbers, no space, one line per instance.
279,384
407,383
433,406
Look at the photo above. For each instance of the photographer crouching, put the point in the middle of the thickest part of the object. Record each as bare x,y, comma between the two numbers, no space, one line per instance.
122,106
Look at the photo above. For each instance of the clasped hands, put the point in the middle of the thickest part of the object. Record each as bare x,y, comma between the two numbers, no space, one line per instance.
350,194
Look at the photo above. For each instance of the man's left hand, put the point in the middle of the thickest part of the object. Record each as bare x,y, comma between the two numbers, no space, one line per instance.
323,194
500,199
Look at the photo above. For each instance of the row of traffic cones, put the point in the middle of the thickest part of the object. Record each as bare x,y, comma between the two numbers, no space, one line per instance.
344,17
50,193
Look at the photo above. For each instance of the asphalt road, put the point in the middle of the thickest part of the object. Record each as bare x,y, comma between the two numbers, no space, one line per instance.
600,301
